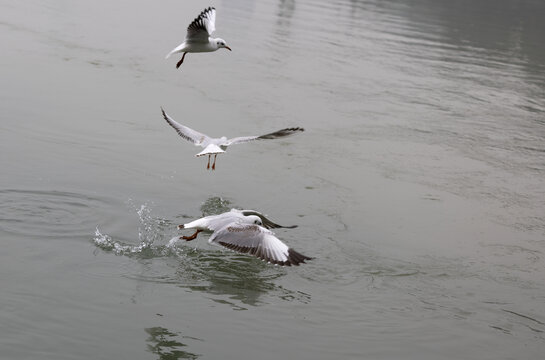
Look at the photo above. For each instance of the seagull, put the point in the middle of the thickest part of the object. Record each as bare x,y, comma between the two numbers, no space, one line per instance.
214,222
215,146
198,37
246,231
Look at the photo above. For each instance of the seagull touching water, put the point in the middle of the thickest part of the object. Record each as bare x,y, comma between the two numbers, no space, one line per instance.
215,146
246,231
198,37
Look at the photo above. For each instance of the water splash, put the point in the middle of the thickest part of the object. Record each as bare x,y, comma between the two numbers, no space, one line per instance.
156,236
151,231
106,242
148,230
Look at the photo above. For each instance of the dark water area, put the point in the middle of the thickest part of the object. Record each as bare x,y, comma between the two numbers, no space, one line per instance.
418,186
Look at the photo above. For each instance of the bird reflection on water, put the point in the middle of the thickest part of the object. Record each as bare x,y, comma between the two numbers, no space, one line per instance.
237,280
164,343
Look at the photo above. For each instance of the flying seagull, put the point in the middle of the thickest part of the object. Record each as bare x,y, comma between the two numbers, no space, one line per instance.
198,37
246,231
215,222
215,146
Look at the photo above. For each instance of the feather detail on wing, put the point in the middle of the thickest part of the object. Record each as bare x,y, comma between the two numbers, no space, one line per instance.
257,241
202,27
273,135
189,134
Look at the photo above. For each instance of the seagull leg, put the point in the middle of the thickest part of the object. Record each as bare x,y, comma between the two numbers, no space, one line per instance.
214,164
208,166
181,61
189,238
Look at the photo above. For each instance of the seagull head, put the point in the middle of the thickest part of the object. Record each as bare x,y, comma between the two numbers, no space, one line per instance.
221,44
253,219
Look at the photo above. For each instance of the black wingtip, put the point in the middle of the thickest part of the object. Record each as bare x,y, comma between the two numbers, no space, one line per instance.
270,225
293,129
281,133
295,258
210,8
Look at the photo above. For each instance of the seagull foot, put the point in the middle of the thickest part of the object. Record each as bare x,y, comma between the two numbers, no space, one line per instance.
181,61
189,238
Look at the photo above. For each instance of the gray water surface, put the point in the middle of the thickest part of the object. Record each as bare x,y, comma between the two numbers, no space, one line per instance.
418,185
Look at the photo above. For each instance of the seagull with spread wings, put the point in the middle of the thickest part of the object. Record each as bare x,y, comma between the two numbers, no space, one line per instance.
215,146
198,37
246,231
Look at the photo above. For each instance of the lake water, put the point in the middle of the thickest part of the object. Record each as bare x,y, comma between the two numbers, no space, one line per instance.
418,185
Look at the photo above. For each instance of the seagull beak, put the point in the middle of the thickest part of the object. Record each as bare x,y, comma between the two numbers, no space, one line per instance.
228,48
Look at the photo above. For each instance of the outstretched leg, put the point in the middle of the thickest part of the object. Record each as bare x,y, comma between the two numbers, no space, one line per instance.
214,164
189,238
208,166
181,61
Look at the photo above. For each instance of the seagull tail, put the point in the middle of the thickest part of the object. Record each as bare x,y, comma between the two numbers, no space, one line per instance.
177,49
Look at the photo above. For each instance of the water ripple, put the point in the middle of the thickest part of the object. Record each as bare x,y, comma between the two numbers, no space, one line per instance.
50,214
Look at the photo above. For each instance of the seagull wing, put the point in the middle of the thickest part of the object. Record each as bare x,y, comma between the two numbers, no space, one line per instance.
257,241
211,222
266,222
240,140
273,135
189,134
202,27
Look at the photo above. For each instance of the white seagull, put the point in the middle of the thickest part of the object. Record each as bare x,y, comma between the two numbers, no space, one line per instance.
246,231
198,37
215,146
